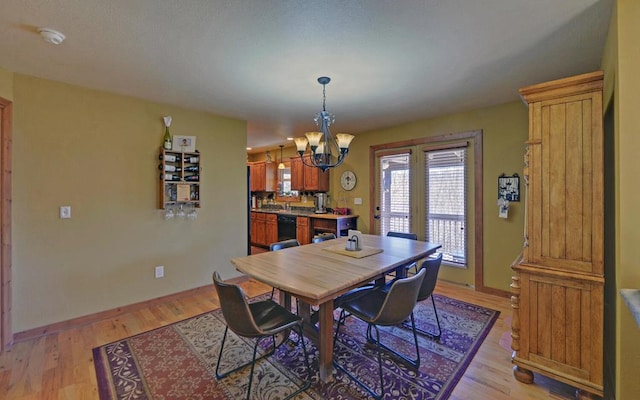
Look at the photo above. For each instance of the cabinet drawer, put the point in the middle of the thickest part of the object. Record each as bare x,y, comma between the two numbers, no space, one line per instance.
324,223
347,223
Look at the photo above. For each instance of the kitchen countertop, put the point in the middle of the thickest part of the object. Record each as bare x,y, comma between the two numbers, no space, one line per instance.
304,214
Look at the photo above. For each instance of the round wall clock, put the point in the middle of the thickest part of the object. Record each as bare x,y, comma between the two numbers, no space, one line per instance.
348,180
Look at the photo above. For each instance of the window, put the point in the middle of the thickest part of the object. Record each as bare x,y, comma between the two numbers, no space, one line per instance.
284,191
446,202
395,202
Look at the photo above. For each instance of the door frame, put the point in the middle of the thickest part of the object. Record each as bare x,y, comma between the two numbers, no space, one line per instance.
6,123
476,136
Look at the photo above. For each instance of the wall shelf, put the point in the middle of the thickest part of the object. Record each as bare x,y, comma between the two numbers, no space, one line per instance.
179,174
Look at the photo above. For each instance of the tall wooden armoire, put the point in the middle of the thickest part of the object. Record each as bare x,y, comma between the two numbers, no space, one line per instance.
558,282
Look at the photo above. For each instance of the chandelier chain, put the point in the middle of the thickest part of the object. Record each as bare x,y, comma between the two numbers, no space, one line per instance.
324,97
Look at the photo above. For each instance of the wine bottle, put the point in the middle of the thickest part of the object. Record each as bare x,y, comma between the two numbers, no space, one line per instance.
169,168
192,178
192,160
166,139
170,158
192,168
170,177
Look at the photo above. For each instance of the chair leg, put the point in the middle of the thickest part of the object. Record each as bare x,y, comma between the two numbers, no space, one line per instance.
372,392
379,361
253,364
302,388
225,374
307,384
415,363
432,335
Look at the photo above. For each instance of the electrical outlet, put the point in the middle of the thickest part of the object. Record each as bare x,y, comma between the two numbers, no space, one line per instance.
357,200
65,212
159,271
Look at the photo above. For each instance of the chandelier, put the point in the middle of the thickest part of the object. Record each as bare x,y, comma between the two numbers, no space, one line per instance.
326,151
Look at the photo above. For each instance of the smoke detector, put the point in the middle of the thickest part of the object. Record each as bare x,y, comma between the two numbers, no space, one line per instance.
51,35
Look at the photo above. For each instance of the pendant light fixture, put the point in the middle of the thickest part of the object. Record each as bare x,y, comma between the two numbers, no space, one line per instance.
281,165
326,151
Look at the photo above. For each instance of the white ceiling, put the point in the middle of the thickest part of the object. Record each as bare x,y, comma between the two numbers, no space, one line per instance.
390,61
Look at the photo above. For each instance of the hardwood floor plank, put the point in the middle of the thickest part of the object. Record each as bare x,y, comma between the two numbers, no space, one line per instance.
60,365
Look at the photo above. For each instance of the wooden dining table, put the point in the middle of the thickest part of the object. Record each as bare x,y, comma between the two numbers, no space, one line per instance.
318,273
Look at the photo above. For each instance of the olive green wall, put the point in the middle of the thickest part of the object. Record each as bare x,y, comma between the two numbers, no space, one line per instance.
505,129
6,84
627,192
98,153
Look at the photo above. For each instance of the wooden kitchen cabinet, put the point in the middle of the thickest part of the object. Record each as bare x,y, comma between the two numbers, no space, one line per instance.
264,228
339,225
297,174
258,233
558,282
262,176
271,229
302,230
305,178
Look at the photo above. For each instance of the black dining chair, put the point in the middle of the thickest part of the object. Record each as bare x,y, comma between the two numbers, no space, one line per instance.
432,266
357,292
283,244
383,308
404,235
256,320
322,237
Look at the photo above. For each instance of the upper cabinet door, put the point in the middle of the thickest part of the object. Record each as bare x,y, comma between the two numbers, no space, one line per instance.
565,175
262,177
308,178
297,174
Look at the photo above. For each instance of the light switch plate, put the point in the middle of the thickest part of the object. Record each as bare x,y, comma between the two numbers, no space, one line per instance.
65,212
357,200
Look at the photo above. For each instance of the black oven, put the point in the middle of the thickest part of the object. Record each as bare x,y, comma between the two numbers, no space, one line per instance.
286,227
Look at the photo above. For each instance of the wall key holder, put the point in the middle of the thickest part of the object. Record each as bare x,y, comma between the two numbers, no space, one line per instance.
509,187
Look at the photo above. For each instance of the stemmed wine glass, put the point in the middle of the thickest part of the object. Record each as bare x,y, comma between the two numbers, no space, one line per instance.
192,214
168,212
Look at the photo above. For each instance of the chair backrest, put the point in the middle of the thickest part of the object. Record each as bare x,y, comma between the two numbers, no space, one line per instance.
322,237
403,235
283,244
400,300
432,266
235,308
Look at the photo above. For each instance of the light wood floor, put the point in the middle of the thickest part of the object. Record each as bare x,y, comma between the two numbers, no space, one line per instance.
60,365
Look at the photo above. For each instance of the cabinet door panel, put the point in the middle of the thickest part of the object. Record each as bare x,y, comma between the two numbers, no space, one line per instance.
271,228
310,178
562,184
302,230
564,324
297,174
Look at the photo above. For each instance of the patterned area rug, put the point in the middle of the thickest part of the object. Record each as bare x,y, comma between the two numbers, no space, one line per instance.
178,361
